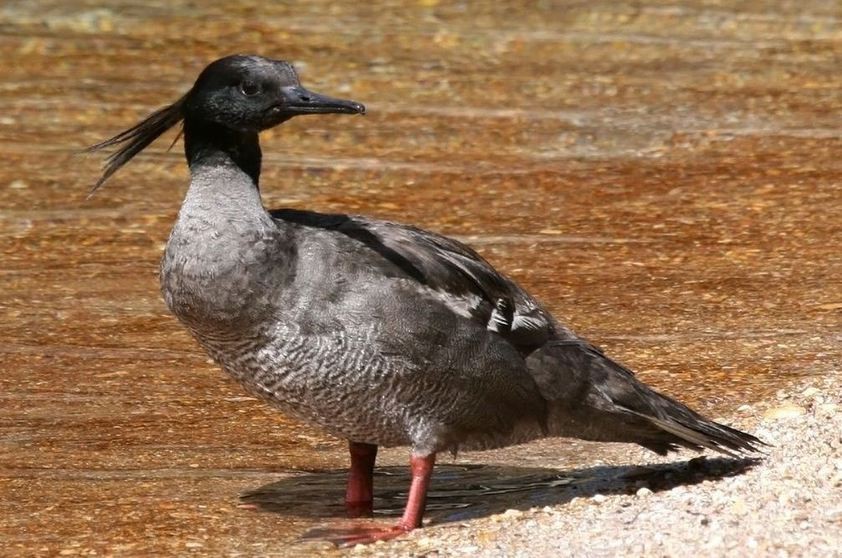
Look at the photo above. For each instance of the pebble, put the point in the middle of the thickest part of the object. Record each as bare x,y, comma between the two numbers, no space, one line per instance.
641,492
508,514
599,498
739,507
827,409
810,392
784,411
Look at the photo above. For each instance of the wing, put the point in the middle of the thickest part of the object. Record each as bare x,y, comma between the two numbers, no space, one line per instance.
467,283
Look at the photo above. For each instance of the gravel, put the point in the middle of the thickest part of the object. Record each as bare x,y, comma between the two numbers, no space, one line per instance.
789,503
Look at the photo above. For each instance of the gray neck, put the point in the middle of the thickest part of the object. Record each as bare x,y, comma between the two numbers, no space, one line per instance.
226,259
219,186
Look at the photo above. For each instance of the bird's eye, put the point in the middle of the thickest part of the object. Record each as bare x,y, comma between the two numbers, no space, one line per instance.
249,88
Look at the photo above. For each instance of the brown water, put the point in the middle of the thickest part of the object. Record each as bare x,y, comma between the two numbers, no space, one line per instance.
667,178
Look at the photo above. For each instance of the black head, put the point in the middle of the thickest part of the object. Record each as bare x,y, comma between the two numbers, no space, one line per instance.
252,93
239,94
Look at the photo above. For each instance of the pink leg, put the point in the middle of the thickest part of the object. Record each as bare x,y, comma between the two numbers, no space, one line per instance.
422,471
360,491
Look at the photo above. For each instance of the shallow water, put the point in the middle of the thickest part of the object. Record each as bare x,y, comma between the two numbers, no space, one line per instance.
665,178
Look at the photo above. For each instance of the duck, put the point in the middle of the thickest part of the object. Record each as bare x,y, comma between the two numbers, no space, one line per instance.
379,333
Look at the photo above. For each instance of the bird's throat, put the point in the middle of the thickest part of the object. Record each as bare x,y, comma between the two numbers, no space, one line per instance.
215,145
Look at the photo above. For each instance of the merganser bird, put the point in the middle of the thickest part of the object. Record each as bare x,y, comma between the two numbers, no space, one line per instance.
380,333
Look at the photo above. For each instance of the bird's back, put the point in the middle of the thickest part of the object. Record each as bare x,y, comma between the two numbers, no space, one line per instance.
474,352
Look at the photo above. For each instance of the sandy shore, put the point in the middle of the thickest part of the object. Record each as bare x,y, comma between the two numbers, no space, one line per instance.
787,504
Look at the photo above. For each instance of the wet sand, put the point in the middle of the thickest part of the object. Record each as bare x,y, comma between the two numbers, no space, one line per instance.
665,178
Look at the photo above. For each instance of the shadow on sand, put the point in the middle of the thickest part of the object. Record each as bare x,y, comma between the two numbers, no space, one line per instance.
463,492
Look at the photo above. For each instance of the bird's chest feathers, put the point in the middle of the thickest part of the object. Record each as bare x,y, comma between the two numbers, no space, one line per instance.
222,274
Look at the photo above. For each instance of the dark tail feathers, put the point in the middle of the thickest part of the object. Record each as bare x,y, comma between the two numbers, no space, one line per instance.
594,398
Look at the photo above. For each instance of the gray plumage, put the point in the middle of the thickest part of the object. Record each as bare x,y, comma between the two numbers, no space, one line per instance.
377,332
